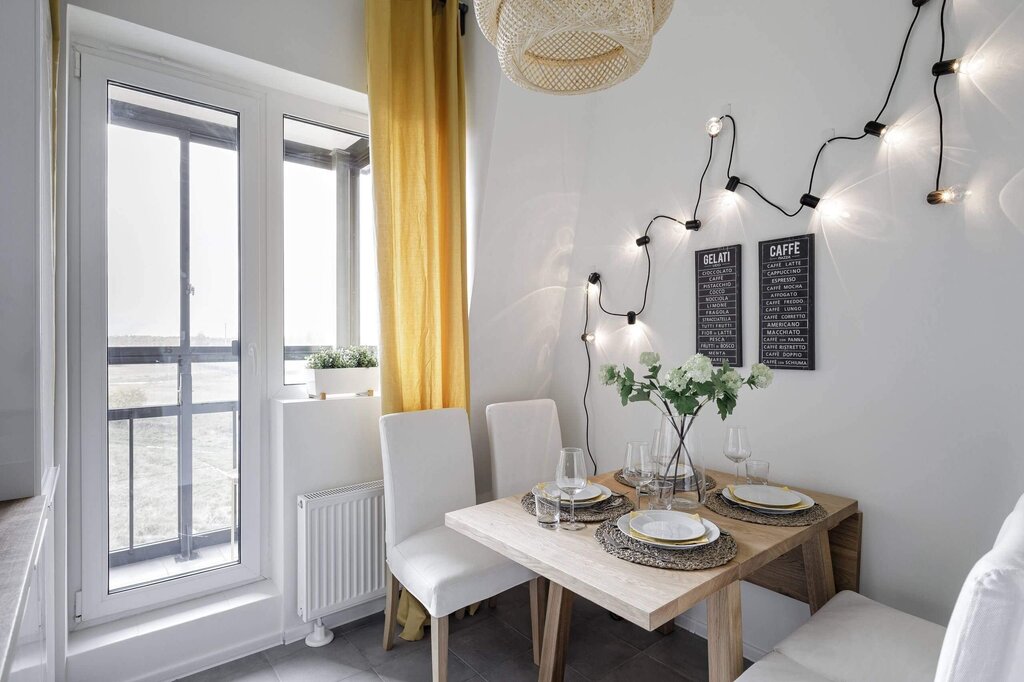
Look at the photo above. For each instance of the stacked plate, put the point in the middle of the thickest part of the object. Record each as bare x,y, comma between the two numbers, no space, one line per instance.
589,496
668,529
767,499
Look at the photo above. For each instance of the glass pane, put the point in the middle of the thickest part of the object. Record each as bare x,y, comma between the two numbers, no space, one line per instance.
142,385
369,295
173,293
143,238
213,219
214,475
214,382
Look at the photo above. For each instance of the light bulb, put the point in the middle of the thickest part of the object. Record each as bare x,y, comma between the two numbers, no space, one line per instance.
588,337
894,135
971,65
713,126
948,195
833,208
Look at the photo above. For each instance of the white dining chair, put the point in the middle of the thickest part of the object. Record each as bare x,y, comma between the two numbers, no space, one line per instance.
428,471
855,638
525,441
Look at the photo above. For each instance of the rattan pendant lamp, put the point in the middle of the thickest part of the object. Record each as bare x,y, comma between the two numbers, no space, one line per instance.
571,47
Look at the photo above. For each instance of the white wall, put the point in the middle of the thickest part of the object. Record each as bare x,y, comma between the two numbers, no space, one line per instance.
915,405
322,39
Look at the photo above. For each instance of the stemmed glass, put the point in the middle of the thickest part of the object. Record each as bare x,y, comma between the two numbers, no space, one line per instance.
737,447
571,478
639,468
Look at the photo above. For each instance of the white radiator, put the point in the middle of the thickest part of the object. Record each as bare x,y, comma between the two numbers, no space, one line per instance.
341,548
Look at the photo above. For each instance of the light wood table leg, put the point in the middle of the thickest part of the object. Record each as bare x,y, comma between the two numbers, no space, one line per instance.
439,648
390,609
556,634
725,634
821,581
538,606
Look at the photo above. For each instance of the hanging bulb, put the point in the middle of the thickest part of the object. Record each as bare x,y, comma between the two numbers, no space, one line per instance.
733,183
643,241
833,208
971,65
948,195
876,128
588,337
713,126
630,317
693,225
894,135
810,201
947,67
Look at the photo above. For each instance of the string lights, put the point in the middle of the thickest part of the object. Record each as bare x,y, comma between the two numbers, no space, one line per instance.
888,133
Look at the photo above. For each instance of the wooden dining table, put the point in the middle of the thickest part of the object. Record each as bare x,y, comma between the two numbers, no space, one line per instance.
808,563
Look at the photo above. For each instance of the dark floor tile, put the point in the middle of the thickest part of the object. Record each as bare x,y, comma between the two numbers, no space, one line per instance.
624,630
684,652
643,667
415,667
254,668
594,652
372,619
467,621
516,616
339,660
370,642
516,596
488,643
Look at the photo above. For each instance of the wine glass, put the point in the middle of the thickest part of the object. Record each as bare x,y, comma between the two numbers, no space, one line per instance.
639,468
571,478
737,447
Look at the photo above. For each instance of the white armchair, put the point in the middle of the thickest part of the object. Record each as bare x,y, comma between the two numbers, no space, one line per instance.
855,639
428,471
525,441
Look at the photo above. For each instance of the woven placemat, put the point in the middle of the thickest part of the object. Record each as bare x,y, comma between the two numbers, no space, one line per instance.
612,508
719,552
718,504
682,485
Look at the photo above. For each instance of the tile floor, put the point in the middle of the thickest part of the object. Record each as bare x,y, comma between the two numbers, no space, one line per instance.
493,645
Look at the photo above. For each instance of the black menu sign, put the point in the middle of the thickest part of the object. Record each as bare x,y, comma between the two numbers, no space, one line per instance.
787,302
719,321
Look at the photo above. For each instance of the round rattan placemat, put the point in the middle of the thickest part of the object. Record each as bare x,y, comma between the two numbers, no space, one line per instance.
683,485
612,540
612,508
718,504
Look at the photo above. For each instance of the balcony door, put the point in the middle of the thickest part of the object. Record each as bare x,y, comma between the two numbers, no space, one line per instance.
169,338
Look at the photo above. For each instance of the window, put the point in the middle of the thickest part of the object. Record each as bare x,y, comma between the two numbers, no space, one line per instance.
170,484
330,264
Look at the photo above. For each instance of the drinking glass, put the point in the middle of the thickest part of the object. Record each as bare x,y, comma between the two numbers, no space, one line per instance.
571,478
737,447
660,493
757,471
639,467
548,502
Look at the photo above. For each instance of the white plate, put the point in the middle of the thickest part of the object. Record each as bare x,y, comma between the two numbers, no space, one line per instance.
592,491
711,529
600,494
806,503
666,525
765,495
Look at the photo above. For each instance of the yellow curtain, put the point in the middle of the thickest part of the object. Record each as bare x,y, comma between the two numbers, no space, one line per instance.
418,152
417,149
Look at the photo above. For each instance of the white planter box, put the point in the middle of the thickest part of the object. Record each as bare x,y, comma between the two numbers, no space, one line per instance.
344,381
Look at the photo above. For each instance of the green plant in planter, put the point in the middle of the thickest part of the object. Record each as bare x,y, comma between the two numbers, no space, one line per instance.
343,358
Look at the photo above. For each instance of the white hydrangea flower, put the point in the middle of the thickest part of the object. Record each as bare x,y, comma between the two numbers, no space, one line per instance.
649,359
698,368
608,374
732,380
761,375
677,380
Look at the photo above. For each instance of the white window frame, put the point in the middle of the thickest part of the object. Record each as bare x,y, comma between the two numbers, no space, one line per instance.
279,105
88,329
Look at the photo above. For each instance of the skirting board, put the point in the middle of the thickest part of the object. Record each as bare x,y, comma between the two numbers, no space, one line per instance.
337,619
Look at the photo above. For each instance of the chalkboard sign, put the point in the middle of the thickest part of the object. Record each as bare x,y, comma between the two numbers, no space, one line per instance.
787,302
719,311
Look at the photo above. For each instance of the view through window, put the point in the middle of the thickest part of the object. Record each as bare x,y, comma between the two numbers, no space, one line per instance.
330,261
173,409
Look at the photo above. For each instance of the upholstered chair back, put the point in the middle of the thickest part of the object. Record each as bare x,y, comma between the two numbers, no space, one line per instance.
985,636
525,443
428,469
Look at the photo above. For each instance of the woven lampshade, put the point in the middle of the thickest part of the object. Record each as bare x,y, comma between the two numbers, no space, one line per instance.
570,47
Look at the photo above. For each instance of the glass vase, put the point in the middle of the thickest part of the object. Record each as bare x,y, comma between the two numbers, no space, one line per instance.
679,459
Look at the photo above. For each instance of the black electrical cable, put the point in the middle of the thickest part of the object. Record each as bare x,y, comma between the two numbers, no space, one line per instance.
899,64
700,185
935,94
728,172
647,283
586,389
